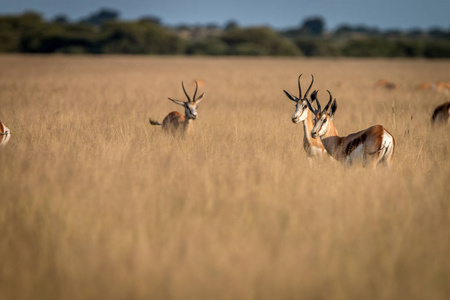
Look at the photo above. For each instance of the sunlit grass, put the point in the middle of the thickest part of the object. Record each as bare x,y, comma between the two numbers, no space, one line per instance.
96,203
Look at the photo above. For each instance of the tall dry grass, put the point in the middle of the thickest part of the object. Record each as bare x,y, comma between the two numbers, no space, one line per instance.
97,204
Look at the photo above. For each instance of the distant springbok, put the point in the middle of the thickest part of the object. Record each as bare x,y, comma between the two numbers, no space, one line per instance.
383,83
200,82
441,114
440,86
312,146
370,147
424,86
5,135
176,122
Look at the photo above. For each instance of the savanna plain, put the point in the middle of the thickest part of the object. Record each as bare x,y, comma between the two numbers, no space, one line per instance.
97,204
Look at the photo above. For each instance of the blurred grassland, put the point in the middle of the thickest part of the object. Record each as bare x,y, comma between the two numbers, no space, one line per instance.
97,204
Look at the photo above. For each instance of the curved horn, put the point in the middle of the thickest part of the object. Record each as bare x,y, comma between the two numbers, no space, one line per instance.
317,100
189,99
299,88
307,91
329,102
195,93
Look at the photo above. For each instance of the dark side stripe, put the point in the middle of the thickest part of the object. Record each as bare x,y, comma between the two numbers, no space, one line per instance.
354,144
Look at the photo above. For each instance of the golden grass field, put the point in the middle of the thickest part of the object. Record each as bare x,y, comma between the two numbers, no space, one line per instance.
97,204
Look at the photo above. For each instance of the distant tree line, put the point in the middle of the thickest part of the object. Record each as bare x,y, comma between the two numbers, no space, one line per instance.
103,32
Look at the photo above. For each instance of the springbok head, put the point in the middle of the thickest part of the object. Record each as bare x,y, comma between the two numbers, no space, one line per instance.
321,118
301,108
190,106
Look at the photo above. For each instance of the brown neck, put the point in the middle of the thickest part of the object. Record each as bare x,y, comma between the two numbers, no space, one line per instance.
307,126
332,142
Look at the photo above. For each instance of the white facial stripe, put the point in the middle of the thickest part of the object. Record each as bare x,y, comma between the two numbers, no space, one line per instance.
316,126
191,110
320,126
323,126
300,112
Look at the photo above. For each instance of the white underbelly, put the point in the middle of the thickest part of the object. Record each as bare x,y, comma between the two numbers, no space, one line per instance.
356,156
315,151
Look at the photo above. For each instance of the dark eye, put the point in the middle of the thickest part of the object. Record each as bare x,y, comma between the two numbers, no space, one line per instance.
324,121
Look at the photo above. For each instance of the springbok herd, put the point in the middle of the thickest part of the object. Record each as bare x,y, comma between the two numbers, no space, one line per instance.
368,147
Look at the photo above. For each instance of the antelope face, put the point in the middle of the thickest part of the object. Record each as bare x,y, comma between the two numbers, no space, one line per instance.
320,128
321,117
190,106
191,110
301,111
301,106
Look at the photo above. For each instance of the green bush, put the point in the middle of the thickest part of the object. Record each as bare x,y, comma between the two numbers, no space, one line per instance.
211,46
437,49
139,38
317,47
258,41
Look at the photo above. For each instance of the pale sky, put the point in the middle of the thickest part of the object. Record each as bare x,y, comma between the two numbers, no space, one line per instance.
279,14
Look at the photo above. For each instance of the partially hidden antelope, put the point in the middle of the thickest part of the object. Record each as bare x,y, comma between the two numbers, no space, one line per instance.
441,114
176,122
313,146
5,135
369,147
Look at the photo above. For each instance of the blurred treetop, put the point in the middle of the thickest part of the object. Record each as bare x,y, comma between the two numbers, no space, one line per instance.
103,32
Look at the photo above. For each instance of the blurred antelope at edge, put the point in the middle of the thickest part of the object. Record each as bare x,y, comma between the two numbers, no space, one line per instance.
5,134
313,146
441,114
176,122
371,146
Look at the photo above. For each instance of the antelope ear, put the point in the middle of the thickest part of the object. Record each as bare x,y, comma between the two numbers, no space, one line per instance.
197,101
293,98
314,111
333,108
314,95
176,101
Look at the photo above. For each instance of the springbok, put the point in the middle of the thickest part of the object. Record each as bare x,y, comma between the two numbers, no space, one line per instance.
5,134
313,146
440,86
441,114
370,146
176,122
383,83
